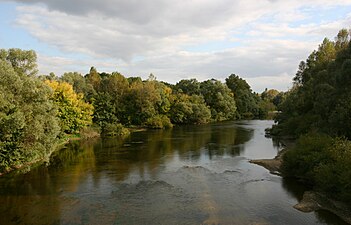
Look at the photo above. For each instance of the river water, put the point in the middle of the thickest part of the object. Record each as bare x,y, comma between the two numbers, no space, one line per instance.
187,175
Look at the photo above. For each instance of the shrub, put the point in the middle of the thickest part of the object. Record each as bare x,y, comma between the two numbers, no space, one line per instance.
159,122
310,151
115,129
323,162
89,132
334,176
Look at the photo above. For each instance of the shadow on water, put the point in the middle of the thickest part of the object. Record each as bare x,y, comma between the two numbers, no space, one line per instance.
187,175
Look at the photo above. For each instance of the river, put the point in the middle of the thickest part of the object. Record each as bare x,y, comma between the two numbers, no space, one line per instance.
186,175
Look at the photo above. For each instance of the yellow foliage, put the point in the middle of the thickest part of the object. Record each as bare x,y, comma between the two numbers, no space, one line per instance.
73,111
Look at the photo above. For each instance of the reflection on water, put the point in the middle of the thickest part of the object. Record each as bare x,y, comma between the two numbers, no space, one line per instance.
187,175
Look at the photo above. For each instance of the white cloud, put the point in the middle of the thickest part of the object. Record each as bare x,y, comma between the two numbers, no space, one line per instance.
278,82
141,37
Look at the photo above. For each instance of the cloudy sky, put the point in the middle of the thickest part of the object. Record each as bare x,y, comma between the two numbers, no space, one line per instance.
262,41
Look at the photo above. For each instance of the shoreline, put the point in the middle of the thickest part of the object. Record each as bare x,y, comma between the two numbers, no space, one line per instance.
29,165
273,165
61,143
312,200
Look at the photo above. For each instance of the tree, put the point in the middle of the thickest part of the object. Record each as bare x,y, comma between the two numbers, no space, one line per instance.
320,99
108,102
22,61
79,83
187,109
93,78
245,99
28,123
342,39
73,112
189,87
220,100
269,95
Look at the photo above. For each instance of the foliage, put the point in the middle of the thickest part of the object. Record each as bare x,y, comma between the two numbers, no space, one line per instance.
159,122
269,95
220,100
108,101
334,176
80,84
323,162
74,113
187,109
73,104
320,97
265,107
141,102
23,62
94,78
87,133
318,108
309,153
28,123
246,101
115,129
189,87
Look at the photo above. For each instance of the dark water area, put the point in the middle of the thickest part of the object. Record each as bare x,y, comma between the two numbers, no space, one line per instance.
187,175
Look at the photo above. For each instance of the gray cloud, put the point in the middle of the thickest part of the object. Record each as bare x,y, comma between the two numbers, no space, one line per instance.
140,37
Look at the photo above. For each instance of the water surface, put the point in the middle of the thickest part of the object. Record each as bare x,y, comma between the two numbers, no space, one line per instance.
187,175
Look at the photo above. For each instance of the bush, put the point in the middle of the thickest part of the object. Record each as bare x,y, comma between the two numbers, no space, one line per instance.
159,122
322,161
115,129
334,176
311,151
89,132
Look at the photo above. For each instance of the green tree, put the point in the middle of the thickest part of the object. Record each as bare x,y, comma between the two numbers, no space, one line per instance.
246,101
109,101
220,100
189,87
187,109
28,123
22,61
319,97
94,78
79,83
342,39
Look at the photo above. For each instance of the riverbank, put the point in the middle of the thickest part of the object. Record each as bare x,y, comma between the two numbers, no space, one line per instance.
85,135
25,167
273,165
311,201
61,143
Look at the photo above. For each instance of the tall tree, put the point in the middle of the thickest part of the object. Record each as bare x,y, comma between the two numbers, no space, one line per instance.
220,100
22,61
245,99
28,123
189,87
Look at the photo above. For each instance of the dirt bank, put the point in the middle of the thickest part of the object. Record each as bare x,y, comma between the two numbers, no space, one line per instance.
313,201
273,165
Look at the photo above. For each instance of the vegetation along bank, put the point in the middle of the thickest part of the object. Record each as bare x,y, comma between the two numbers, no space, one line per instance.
316,112
38,113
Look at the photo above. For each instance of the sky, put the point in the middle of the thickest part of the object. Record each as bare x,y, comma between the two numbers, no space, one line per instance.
262,41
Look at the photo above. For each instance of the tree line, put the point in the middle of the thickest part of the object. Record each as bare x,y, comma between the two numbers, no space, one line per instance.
317,112
37,112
